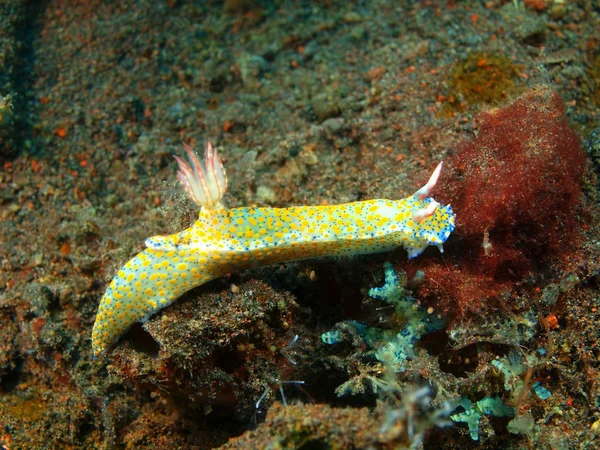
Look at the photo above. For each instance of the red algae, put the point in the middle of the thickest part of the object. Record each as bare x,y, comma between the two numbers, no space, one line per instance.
519,191
516,189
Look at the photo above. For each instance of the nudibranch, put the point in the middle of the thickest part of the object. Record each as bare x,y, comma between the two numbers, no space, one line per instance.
224,240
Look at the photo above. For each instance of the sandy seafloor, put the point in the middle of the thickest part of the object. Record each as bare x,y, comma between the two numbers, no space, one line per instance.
308,102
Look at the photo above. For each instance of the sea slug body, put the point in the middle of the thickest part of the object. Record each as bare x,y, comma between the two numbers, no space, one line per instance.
223,240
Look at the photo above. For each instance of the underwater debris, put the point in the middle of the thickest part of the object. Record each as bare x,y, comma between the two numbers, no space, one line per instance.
523,424
414,415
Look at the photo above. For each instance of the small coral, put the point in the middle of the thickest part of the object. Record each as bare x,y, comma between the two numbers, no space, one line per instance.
393,351
542,392
472,414
368,380
512,366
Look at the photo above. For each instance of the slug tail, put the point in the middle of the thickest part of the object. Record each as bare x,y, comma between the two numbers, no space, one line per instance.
149,282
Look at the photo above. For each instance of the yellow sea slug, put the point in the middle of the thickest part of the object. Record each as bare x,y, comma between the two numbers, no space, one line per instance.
226,240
